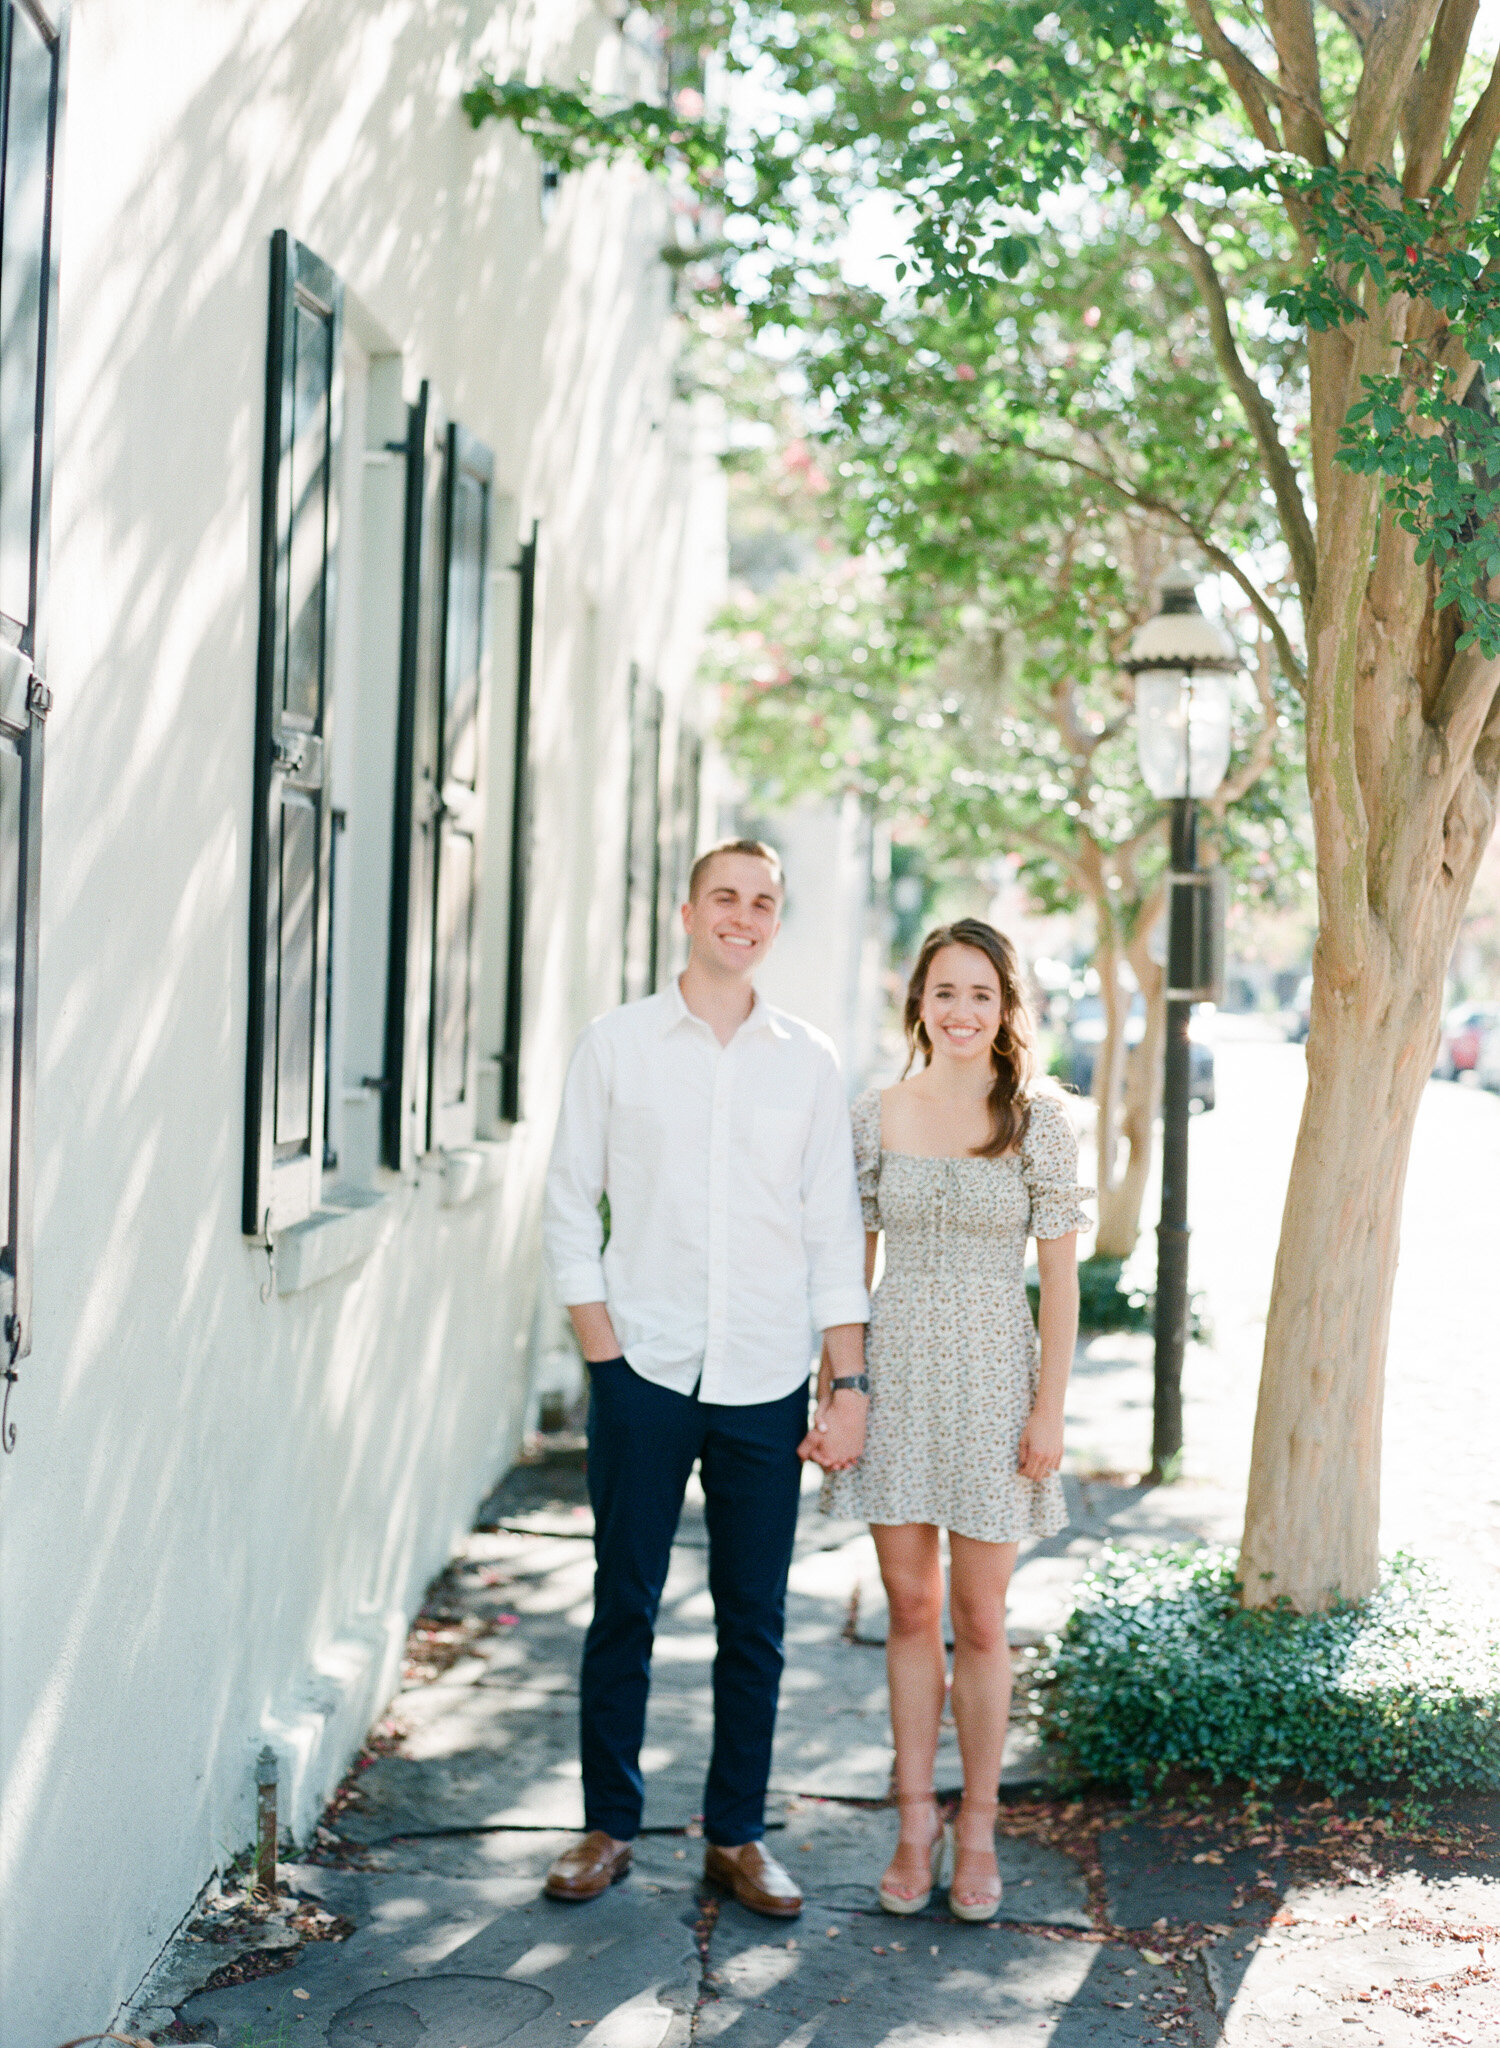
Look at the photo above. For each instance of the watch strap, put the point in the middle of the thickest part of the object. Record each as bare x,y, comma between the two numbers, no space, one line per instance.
859,1381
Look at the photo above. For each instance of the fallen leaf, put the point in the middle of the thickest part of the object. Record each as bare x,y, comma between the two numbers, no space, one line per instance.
302,1994
1151,1955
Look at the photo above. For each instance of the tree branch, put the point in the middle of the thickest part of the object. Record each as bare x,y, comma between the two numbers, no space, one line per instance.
1280,473
1146,501
1123,853
1464,702
1307,128
1250,83
1254,766
1430,103
1392,55
1475,148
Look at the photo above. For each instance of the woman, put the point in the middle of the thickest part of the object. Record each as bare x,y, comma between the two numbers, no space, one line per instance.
958,1164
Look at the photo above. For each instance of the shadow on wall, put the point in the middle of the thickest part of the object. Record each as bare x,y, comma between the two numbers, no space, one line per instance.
212,1488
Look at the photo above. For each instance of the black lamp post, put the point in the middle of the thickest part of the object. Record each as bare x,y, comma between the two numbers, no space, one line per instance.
1181,662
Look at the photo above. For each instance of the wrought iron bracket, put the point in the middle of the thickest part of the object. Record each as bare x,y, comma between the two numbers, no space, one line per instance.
10,1376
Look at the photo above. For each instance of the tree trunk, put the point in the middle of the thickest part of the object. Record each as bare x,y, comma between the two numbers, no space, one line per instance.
1109,1062
1312,1518
1402,770
1121,1196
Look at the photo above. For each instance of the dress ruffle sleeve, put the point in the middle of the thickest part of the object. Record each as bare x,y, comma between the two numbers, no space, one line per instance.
1049,1167
865,1116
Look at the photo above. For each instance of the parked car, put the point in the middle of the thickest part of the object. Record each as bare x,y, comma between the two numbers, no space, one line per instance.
1463,1028
1085,1034
1487,1061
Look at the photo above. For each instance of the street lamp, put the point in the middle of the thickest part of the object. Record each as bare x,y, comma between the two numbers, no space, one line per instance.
1181,662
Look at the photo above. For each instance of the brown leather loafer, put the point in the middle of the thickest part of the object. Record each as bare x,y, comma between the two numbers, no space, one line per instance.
754,1877
590,1867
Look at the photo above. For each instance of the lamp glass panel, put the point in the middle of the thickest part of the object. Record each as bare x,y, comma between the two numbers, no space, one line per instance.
1183,730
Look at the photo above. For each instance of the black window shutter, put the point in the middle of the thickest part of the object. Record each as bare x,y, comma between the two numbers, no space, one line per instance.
643,867
520,837
462,704
33,63
414,811
289,861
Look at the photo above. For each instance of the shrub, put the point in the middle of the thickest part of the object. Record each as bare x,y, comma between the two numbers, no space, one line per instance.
1160,1669
1103,1304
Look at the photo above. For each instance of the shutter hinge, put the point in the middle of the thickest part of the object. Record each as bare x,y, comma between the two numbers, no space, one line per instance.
298,753
38,697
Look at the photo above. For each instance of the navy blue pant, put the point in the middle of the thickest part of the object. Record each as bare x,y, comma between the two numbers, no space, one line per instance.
643,1440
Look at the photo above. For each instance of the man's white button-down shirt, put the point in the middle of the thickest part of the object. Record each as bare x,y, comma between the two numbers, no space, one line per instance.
734,1224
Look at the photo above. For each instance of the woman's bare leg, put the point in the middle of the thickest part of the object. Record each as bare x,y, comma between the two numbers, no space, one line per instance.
981,1703
912,1571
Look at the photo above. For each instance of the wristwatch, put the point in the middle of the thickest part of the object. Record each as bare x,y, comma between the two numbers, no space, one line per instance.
860,1381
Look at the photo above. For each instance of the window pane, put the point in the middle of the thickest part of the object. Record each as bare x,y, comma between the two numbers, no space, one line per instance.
10,917
22,294
454,940
294,996
465,632
307,578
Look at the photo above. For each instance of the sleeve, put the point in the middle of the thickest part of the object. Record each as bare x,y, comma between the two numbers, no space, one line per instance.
832,1232
866,1116
1049,1167
572,1228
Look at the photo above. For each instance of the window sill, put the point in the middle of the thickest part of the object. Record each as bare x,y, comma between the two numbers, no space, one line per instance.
345,1230
473,1170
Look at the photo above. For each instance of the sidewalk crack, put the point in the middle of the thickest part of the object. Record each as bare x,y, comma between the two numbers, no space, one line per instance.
703,1934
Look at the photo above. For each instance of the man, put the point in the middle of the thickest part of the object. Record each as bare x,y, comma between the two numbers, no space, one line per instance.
718,1129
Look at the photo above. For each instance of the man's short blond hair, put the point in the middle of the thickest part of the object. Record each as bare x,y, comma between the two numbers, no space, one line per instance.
756,848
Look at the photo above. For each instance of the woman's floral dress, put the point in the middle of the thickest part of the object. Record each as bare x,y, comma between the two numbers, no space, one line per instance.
952,1350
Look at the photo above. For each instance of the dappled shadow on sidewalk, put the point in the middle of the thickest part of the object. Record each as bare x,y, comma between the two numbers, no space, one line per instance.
1215,1922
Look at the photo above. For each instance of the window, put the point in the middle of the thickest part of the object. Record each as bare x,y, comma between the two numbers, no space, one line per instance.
520,834
462,707
32,65
681,849
643,865
362,770
290,847
432,1055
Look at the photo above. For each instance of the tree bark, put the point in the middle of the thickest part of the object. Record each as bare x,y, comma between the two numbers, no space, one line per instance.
1403,794
1122,1196
1313,1512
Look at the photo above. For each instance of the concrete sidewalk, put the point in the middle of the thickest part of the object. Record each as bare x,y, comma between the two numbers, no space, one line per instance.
1253,1928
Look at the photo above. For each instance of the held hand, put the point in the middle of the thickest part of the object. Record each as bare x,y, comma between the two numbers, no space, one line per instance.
837,1437
1041,1445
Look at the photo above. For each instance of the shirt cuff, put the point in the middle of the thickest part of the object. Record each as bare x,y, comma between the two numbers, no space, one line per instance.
840,1305
583,1281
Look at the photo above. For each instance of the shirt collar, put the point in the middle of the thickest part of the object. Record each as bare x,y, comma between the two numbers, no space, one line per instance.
761,1018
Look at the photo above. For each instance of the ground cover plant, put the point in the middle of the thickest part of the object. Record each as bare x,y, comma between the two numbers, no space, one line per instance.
1161,1669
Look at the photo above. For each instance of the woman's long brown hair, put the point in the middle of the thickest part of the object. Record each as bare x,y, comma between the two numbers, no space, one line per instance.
1010,1053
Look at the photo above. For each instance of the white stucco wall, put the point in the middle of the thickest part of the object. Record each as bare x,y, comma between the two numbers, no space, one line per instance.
225,1502
829,958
